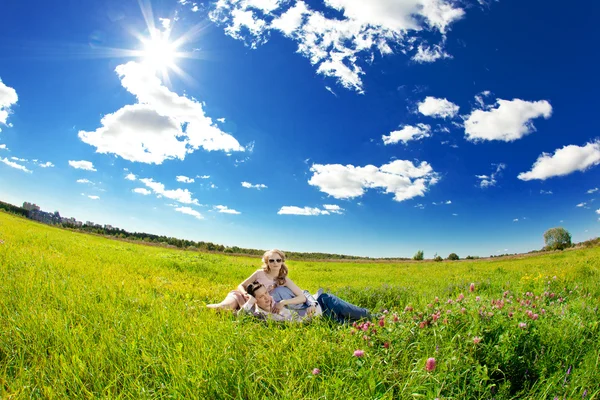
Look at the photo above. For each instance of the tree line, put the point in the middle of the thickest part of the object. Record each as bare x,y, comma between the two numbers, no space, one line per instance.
555,239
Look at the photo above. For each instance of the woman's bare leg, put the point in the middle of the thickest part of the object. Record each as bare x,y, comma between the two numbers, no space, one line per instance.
229,303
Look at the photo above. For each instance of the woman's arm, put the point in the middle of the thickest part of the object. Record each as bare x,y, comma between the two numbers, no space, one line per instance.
242,286
298,299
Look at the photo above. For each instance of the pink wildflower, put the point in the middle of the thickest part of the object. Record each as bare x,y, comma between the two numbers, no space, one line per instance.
396,319
476,339
460,297
359,353
463,310
386,345
430,364
316,371
472,287
382,322
535,316
450,301
522,325
408,308
477,298
437,299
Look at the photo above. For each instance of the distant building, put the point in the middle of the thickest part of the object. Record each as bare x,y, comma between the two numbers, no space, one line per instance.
31,207
45,217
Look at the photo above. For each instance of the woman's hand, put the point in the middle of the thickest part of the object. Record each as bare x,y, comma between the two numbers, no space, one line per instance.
279,306
311,310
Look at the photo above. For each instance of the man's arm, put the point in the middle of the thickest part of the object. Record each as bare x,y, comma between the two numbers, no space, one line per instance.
248,307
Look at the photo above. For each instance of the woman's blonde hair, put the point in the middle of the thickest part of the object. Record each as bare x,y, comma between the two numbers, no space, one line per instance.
283,271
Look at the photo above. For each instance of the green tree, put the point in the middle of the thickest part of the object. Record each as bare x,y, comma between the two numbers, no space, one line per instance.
453,257
557,238
418,255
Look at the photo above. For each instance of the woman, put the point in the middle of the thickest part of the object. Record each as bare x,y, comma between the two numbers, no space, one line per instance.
272,275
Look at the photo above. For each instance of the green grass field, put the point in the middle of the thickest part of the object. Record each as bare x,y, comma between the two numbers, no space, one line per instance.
88,317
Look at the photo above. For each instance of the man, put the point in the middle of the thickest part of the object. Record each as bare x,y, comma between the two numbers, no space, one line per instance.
261,304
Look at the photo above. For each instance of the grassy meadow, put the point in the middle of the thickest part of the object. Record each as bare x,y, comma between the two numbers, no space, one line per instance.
87,317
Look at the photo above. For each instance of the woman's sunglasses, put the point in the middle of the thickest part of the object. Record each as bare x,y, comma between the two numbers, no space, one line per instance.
272,261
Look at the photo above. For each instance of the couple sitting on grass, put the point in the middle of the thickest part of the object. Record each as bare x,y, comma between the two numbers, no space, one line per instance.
269,294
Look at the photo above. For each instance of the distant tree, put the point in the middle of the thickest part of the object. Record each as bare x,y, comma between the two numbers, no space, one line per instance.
437,258
418,255
557,238
453,257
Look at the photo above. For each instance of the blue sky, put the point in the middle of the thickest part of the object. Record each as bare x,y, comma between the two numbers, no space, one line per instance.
370,128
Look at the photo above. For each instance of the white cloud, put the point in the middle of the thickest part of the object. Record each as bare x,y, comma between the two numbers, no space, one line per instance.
307,211
420,206
509,121
8,98
165,22
337,46
488,181
47,164
202,176
594,190
226,210
142,191
161,126
516,220
399,177
221,120
130,177
407,133
3,147
333,208
258,186
581,204
448,202
597,211
546,192
93,197
86,165
430,54
84,181
13,164
435,107
180,195
189,211
564,161
184,179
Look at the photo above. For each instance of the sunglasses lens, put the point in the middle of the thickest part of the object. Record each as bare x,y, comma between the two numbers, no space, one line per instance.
278,260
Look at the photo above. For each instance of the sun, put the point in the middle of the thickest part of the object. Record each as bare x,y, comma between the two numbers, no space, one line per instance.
159,53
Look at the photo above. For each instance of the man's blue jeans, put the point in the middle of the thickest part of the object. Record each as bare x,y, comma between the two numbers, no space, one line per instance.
340,310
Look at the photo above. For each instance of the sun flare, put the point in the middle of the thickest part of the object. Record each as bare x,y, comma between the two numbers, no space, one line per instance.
159,53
